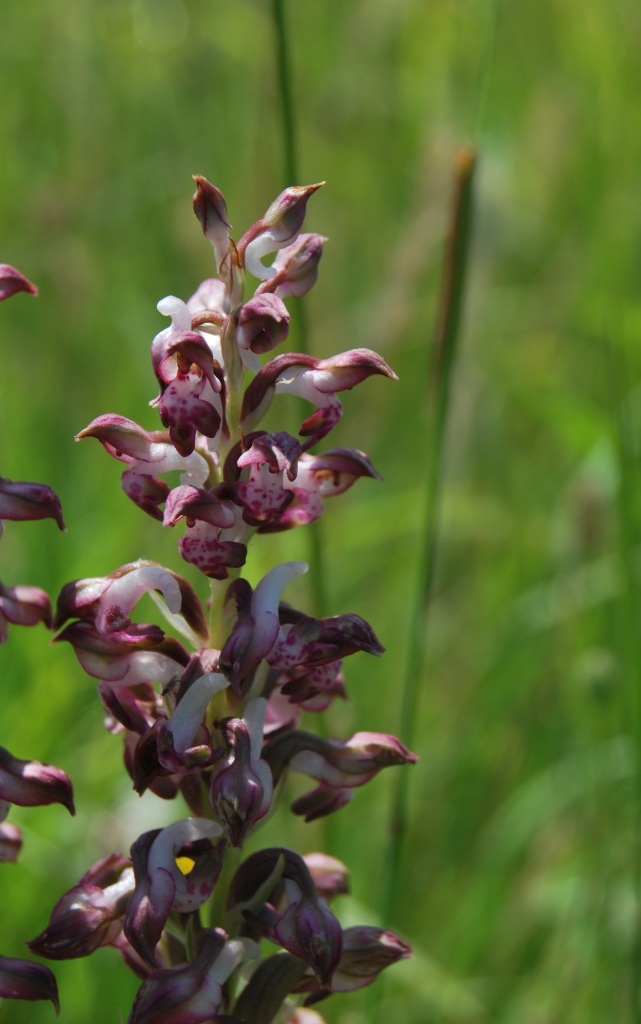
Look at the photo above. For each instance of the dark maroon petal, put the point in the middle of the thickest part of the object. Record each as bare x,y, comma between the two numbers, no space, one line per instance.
81,921
12,281
33,784
182,995
306,926
105,871
246,647
320,423
151,902
321,801
241,790
263,323
25,501
22,979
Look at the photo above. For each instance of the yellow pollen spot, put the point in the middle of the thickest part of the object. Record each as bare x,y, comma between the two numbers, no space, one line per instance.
185,864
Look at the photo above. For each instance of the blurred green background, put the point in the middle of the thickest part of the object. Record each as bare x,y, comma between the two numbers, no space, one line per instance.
519,886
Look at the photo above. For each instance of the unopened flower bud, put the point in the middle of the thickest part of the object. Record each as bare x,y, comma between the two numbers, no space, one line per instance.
241,784
263,323
278,228
211,209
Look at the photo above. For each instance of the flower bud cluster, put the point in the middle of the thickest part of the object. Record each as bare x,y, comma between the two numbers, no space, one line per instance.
213,713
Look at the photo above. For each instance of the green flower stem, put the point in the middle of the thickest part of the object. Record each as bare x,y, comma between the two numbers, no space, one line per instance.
317,576
218,902
445,348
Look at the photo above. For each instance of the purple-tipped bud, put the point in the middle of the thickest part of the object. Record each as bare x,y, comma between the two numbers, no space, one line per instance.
338,762
88,915
12,281
263,323
330,875
25,501
366,952
241,785
211,209
32,784
286,214
192,994
22,979
278,228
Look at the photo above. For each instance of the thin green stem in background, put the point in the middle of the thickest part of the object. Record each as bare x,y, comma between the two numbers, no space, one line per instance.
445,348
486,71
290,167
627,510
